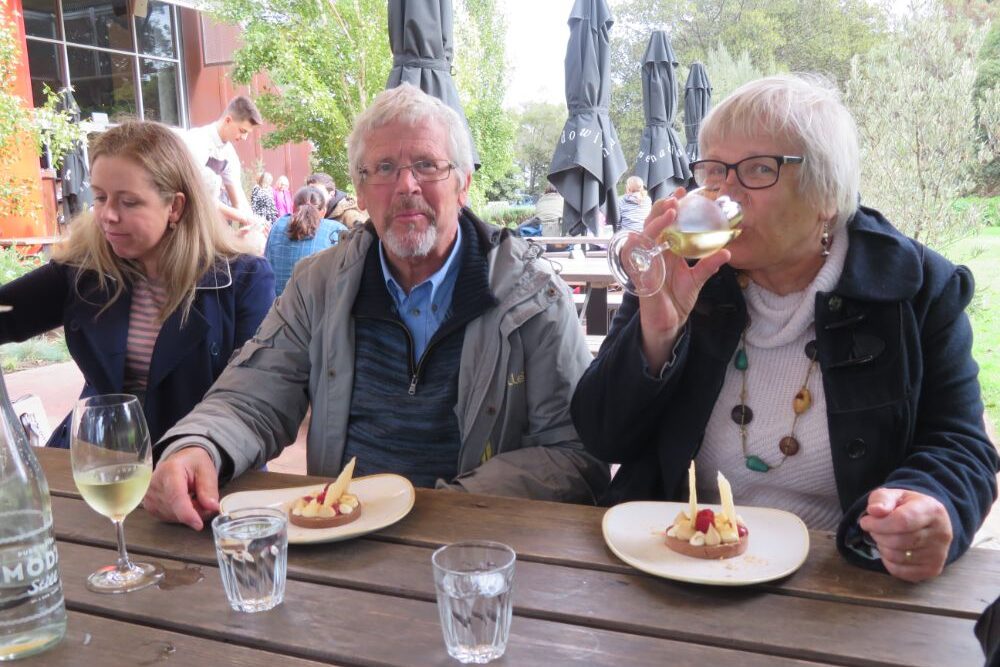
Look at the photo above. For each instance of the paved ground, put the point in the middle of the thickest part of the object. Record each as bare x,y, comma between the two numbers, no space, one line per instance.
59,385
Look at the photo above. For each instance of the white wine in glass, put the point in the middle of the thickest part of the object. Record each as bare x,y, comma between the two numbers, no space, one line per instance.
112,461
705,223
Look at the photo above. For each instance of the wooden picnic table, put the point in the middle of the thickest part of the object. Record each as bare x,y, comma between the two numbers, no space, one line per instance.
595,275
370,601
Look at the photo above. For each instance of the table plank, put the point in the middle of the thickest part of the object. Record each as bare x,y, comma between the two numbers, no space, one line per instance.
631,603
92,640
570,535
351,627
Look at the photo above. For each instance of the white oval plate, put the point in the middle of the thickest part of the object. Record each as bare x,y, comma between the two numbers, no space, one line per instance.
635,532
385,499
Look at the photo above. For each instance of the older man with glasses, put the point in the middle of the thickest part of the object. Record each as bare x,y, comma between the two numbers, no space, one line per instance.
427,343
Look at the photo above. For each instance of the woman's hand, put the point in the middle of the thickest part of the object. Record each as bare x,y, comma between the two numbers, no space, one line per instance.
664,313
912,531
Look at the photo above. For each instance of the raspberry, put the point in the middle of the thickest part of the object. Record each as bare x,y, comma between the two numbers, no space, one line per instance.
704,520
741,530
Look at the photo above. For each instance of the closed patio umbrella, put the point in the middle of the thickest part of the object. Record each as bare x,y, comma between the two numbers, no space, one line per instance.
662,163
422,43
697,102
588,160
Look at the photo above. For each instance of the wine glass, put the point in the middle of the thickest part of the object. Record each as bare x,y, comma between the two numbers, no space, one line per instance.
112,464
705,223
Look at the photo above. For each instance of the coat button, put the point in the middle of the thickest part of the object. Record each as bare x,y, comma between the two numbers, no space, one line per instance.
74,325
835,303
214,349
857,448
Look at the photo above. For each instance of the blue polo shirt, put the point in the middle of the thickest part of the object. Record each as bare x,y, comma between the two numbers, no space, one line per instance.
427,305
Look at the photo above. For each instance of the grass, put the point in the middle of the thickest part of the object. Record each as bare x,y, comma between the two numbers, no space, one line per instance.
982,255
49,348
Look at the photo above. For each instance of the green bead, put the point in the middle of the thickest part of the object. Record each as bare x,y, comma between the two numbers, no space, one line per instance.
757,464
741,362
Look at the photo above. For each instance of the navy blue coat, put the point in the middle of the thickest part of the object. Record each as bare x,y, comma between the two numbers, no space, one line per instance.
894,345
229,304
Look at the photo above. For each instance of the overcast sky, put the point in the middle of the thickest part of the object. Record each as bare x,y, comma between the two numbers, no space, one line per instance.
536,48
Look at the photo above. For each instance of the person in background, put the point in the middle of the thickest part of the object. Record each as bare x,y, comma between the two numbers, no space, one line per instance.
340,206
262,199
152,292
634,205
549,211
282,197
299,235
822,361
427,343
215,155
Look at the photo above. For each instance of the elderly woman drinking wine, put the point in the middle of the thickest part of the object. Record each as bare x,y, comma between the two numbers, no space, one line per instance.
821,361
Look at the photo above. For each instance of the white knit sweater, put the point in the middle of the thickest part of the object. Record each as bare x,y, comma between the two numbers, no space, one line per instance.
775,346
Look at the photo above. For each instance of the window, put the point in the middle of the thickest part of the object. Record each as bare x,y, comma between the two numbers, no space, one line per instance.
119,62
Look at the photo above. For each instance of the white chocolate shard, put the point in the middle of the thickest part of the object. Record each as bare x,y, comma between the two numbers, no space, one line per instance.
337,489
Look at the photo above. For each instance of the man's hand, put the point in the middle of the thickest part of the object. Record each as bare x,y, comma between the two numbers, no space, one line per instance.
184,488
912,531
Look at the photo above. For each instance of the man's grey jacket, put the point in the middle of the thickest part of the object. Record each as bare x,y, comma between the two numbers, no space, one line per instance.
519,366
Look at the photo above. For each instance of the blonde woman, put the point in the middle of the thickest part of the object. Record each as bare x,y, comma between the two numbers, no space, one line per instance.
152,293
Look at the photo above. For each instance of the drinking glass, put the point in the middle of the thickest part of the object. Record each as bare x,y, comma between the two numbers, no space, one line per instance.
473,582
705,223
251,546
112,462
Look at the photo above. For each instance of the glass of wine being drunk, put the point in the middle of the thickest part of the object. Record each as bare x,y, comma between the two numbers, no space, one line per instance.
112,462
705,223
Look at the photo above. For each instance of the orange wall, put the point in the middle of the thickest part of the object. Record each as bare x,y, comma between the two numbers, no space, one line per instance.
25,163
209,90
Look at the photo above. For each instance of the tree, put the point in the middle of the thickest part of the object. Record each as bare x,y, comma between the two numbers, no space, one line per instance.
984,93
540,124
814,36
911,98
324,59
481,77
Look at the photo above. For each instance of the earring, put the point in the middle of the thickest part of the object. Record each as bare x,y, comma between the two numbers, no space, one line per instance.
824,241
171,226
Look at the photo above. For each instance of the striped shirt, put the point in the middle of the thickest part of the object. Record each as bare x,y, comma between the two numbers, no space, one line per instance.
143,328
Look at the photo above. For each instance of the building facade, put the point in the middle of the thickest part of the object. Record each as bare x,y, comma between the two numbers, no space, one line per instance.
148,59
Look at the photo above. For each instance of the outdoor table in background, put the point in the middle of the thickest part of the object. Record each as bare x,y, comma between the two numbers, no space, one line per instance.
371,600
595,274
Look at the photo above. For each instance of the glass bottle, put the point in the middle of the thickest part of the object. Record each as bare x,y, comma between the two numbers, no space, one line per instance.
32,609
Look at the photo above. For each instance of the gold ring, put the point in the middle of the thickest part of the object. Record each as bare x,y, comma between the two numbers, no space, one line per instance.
908,554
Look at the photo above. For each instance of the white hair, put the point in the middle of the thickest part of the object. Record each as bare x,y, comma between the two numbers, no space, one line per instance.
807,110
411,106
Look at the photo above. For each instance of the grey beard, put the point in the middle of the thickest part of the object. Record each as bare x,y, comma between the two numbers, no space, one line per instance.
410,243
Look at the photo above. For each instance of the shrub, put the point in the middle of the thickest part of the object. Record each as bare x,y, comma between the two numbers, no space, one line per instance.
510,216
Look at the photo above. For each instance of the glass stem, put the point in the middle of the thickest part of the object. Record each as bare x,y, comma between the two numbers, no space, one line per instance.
123,562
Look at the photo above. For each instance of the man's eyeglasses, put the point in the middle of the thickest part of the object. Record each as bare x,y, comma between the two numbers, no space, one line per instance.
754,173
424,171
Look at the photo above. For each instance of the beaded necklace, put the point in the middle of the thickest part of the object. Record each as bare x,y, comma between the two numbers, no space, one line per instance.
743,415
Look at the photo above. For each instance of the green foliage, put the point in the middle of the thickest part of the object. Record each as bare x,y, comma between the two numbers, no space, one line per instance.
325,59
509,216
770,35
987,209
14,265
986,93
19,123
41,350
481,80
982,255
539,125
910,97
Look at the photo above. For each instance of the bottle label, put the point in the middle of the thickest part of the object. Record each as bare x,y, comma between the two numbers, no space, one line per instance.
29,570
